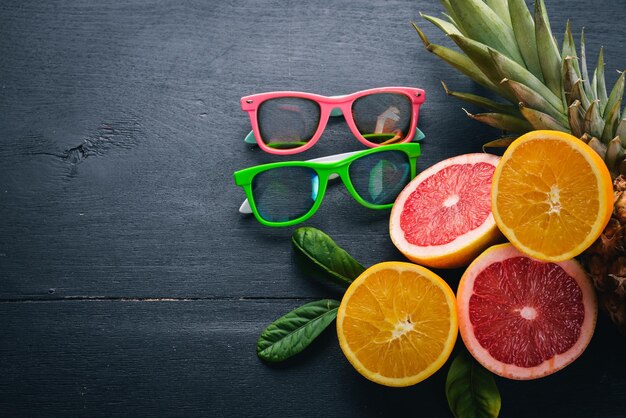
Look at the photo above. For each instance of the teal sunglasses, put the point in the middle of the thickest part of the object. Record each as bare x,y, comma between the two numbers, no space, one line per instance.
287,193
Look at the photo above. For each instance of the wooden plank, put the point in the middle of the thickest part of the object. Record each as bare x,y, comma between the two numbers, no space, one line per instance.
198,358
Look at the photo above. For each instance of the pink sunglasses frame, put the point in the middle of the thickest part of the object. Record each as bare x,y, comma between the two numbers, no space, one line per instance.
328,106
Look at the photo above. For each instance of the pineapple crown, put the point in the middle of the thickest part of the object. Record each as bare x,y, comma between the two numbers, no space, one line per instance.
500,42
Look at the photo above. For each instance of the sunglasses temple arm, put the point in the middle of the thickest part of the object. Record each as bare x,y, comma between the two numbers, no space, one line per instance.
249,139
245,206
419,135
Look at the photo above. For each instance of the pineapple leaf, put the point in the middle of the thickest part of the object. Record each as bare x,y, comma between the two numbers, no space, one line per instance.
479,54
482,102
514,71
621,131
524,31
569,51
550,58
462,63
611,121
540,120
616,94
422,35
578,93
600,82
570,67
452,15
594,86
502,121
503,142
594,124
576,117
451,20
584,72
534,100
598,147
614,154
483,25
570,77
446,27
502,10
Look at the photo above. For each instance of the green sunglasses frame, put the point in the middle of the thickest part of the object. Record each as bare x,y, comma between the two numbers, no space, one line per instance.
325,171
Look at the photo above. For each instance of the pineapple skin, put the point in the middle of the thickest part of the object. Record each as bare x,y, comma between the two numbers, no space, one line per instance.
605,260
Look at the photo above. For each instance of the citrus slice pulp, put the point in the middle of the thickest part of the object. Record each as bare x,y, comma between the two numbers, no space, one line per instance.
552,195
522,318
397,323
443,217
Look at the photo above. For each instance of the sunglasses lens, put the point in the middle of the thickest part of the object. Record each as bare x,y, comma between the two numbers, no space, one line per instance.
383,118
285,193
380,177
288,122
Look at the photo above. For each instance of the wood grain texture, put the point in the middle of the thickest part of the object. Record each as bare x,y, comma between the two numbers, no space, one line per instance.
120,129
197,358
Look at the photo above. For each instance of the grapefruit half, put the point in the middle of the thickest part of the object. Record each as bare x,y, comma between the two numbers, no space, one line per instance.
443,217
522,318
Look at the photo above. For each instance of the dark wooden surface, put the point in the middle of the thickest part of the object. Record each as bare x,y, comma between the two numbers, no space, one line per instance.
129,283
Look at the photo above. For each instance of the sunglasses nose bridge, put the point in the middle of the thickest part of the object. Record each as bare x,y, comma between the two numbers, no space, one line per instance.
336,111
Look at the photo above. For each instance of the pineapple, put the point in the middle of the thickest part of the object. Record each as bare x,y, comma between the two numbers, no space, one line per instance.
512,52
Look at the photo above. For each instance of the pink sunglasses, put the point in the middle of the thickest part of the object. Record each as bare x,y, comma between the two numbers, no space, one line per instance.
288,122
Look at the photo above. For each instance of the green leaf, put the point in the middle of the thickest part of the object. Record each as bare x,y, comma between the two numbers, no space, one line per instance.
293,332
524,29
550,59
485,26
471,389
323,256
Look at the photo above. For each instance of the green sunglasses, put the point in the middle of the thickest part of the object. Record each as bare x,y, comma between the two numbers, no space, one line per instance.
287,193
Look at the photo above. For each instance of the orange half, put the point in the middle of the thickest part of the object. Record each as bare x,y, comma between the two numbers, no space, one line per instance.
397,323
551,195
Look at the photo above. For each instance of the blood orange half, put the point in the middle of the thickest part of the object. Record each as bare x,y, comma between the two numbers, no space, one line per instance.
443,217
522,318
